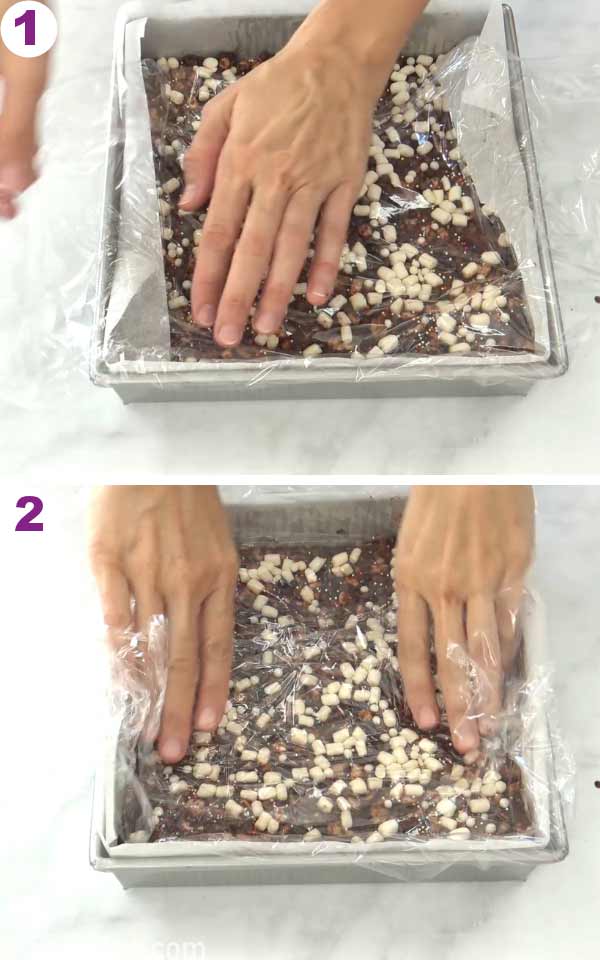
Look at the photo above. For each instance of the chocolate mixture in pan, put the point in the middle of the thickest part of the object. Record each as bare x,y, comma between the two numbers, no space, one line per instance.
427,269
317,741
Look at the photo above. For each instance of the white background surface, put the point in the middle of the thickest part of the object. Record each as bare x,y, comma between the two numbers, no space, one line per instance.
52,905
56,424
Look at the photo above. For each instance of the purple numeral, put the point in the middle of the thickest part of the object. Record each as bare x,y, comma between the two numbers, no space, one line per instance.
35,508
28,19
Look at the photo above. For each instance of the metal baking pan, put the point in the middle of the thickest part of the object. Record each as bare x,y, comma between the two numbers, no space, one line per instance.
169,27
325,519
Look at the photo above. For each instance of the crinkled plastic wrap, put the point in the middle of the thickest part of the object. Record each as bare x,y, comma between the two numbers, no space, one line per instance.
447,269
139,668
317,754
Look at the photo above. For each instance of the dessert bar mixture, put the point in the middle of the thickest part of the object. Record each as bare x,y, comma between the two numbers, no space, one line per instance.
427,269
317,741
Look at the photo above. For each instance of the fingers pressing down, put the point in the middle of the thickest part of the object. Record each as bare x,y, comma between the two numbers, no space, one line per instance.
453,670
182,682
289,253
202,158
168,550
414,658
216,652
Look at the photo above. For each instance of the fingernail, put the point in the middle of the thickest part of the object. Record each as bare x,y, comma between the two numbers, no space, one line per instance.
206,316
207,719
427,718
188,195
320,294
488,726
172,749
267,323
228,336
466,742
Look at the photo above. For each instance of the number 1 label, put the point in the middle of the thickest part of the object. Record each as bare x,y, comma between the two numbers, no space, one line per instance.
28,19
29,28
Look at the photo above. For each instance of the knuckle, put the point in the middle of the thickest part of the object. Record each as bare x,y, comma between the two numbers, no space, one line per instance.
478,645
335,225
448,591
522,554
230,564
193,154
446,673
457,705
217,650
447,595
409,655
200,572
183,660
276,293
236,303
114,616
206,287
183,667
181,578
404,569
406,660
283,174
214,106
219,237
295,233
217,567
417,693
240,160
100,555
332,223
454,690
143,567
324,266
253,244
175,718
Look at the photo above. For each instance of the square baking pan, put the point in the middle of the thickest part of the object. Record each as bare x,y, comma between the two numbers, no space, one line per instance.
143,30
319,519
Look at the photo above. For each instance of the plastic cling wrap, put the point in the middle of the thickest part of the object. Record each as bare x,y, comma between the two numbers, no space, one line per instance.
420,247
317,753
139,667
447,267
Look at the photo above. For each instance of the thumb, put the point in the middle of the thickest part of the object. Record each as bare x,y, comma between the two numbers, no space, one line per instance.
202,158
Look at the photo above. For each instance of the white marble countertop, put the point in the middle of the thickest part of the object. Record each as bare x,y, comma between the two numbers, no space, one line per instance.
55,423
54,907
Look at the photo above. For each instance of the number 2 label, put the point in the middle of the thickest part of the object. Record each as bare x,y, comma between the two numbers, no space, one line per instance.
26,523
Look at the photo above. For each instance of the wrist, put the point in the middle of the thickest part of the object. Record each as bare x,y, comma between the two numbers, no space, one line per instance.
16,124
17,140
338,59
362,38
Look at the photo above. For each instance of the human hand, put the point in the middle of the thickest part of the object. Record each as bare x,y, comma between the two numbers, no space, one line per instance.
283,147
17,172
170,550
462,554
24,80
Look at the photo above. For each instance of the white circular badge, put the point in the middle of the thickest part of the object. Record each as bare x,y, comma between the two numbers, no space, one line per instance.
29,28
